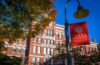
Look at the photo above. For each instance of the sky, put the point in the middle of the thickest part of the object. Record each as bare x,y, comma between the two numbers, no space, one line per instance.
93,23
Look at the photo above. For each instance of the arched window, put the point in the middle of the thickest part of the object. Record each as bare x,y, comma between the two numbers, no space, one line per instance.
19,49
14,48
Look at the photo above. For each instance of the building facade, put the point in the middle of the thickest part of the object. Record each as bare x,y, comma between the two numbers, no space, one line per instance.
39,49
42,47
87,50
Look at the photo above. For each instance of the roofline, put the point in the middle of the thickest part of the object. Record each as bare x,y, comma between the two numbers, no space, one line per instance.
59,25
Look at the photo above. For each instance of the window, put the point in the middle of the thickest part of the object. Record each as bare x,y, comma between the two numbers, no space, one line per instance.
57,42
51,51
44,60
48,50
33,60
39,40
60,34
44,50
57,34
38,61
45,41
51,61
60,42
52,42
24,49
34,49
48,42
14,48
19,49
45,32
39,50
51,32
48,32
34,39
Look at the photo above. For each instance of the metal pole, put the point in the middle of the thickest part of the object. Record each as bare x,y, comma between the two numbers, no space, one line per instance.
69,60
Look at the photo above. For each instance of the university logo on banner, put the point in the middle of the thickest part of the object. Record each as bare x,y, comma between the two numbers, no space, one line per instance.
79,34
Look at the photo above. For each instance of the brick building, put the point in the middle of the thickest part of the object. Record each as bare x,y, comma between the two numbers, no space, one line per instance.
40,48
87,50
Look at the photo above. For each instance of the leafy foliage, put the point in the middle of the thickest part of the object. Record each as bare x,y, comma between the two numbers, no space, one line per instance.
1,46
16,17
9,60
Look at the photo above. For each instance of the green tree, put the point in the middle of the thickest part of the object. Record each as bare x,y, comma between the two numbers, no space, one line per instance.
16,17
9,60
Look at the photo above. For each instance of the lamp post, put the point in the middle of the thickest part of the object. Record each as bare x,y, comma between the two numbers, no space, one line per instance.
80,13
69,61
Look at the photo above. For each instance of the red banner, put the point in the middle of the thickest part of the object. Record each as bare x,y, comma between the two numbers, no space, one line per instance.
79,34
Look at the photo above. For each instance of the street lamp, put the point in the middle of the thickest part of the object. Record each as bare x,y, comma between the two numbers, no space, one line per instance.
80,13
69,60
